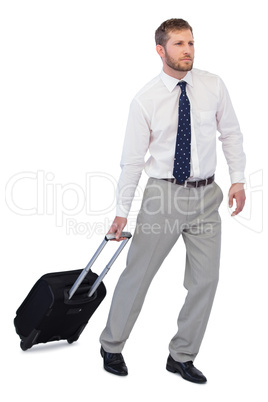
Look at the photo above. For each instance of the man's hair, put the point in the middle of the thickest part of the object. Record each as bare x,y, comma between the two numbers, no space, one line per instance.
174,24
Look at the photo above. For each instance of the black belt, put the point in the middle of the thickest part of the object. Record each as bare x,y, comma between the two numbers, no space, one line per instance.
192,184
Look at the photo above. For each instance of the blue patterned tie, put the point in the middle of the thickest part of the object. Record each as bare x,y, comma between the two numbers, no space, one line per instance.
182,157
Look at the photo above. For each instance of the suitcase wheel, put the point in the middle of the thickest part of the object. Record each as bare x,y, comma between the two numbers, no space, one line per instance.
75,337
71,340
30,340
23,346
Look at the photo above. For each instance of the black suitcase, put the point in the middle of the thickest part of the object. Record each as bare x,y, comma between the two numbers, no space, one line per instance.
60,304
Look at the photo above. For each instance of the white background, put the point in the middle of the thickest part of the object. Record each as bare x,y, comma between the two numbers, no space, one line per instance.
69,70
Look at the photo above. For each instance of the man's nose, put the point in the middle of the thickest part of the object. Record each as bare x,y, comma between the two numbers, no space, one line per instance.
187,49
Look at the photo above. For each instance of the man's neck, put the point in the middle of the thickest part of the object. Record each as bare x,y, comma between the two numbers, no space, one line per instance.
179,75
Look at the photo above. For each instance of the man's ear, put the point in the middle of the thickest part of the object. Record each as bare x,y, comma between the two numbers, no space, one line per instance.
160,50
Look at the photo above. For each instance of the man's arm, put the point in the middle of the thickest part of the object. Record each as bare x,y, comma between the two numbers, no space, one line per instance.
136,144
232,144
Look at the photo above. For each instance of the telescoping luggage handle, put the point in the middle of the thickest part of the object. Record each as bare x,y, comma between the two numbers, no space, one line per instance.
86,270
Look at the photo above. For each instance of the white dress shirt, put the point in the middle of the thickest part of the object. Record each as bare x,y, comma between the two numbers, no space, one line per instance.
152,127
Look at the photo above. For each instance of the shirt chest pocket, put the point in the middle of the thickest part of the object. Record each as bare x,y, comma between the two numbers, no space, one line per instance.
207,117
205,122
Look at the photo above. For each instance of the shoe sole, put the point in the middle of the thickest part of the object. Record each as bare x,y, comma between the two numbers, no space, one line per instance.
114,373
176,371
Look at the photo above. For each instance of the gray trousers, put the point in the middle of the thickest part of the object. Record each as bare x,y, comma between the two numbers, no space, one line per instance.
168,211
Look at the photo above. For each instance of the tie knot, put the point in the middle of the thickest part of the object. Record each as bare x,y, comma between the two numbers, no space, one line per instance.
182,85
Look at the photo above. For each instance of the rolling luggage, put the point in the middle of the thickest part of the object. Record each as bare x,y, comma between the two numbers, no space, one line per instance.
60,304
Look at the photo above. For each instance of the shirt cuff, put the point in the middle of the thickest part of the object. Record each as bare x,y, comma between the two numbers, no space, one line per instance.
237,177
122,211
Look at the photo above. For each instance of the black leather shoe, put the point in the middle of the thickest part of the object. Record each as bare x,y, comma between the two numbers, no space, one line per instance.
187,370
114,363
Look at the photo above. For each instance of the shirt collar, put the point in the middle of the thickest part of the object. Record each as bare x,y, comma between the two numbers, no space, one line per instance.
171,82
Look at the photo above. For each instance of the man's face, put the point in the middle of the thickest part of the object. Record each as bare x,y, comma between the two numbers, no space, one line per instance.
178,53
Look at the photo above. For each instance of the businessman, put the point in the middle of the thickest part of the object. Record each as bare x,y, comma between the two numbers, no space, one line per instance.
174,119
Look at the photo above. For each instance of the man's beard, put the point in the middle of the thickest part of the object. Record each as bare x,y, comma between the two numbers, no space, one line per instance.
176,65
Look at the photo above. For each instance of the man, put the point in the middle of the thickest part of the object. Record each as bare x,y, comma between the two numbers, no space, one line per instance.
175,117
